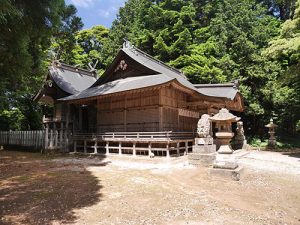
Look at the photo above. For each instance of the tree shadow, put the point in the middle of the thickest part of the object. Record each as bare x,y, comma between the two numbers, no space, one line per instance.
292,154
44,191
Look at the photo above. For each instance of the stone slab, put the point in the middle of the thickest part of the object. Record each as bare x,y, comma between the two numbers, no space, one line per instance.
204,141
196,156
204,149
227,173
225,164
201,159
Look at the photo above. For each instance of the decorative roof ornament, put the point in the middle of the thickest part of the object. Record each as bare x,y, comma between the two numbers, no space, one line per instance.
93,67
56,62
122,65
127,44
236,84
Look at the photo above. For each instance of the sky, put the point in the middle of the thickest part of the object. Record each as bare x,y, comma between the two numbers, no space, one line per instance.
97,12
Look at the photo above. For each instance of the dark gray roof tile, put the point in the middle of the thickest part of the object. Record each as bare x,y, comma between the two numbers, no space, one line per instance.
71,80
130,83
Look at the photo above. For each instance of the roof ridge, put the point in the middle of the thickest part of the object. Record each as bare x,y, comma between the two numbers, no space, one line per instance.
74,68
133,48
215,85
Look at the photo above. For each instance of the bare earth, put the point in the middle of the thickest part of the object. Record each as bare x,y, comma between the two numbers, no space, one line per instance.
38,189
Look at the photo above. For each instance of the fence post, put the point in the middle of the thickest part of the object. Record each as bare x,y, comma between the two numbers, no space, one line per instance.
46,144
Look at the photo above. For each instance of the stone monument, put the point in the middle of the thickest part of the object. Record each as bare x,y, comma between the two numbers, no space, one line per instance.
272,138
204,150
225,163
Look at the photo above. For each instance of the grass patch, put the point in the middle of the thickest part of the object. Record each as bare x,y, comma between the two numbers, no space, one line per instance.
282,142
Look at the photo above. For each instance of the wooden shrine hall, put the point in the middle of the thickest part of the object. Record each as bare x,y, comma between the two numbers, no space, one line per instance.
139,106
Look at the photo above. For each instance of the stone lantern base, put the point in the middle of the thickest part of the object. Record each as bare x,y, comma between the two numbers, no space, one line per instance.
233,174
271,143
226,166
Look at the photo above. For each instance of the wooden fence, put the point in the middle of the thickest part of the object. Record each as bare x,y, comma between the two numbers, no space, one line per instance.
36,139
33,138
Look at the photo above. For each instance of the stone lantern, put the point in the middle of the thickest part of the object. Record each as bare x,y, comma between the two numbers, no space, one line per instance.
225,163
223,121
272,139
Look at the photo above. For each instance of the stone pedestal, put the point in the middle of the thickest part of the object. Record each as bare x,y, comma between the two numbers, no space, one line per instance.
233,174
225,161
272,141
226,166
204,152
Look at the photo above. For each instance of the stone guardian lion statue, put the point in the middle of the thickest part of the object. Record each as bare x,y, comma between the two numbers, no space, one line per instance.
203,128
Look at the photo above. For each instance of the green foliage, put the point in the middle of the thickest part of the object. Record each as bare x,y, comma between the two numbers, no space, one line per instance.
89,47
26,31
282,143
285,50
11,119
26,27
63,41
257,42
128,25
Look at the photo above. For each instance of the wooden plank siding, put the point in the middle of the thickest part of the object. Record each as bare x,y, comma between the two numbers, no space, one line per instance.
145,111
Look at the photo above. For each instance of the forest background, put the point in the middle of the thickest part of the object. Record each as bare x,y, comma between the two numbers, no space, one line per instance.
217,41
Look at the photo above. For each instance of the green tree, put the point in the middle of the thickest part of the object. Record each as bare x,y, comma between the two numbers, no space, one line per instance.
26,30
89,47
63,41
128,25
211,41
285,49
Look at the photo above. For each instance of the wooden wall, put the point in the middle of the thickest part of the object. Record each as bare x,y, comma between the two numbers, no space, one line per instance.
147,110
136,111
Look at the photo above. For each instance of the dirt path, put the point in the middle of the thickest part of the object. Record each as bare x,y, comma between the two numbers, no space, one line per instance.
136,191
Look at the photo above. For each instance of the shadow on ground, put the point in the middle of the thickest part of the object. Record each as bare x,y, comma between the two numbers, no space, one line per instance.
294,154
34,190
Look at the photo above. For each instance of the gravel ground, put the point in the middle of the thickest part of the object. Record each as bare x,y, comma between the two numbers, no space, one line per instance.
285,163
126,190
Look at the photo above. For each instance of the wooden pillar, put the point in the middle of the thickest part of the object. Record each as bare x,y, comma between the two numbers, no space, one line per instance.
178,150
67,128
160,118
84,146
75,146
178,121
168,151
186,148
80,118
107,148
125,119
149,148
61,135
95,147
120,148
133,149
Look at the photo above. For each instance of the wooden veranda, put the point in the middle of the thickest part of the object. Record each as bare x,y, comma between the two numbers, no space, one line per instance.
135,143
